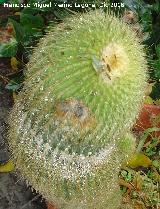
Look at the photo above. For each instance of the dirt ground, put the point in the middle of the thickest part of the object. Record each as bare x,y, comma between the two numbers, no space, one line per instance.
14,194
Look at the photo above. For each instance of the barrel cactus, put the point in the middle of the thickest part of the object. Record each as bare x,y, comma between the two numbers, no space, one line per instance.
70,125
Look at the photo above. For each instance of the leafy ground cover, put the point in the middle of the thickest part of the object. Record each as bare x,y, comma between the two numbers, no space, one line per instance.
20,30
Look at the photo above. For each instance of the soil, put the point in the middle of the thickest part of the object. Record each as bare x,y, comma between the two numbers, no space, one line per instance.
14,193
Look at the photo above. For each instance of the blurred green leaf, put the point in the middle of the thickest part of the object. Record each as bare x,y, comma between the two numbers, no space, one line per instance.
15,83
158,50
2,1
155,91
12,86
31,23
61,14
131,4
156,65
8,49
156,6
19,31
14,1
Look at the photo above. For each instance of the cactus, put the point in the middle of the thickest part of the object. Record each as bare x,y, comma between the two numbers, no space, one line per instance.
70,126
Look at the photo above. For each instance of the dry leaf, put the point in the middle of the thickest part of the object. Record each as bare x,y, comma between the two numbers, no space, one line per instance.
126,184
148,100
139,159
17,13
138,205
138,181
7,167
14,63
14,96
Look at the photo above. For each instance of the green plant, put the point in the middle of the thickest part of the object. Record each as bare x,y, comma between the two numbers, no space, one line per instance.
127,175
69,127
151,149
146,191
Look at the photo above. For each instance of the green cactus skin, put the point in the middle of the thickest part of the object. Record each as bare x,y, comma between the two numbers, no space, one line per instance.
69,127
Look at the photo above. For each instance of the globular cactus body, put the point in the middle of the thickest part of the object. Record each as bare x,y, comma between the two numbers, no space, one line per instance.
69,127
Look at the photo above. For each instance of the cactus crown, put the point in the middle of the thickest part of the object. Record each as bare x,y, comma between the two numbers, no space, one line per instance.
84,87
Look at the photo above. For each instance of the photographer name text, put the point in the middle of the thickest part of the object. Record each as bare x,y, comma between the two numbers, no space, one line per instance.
63,5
